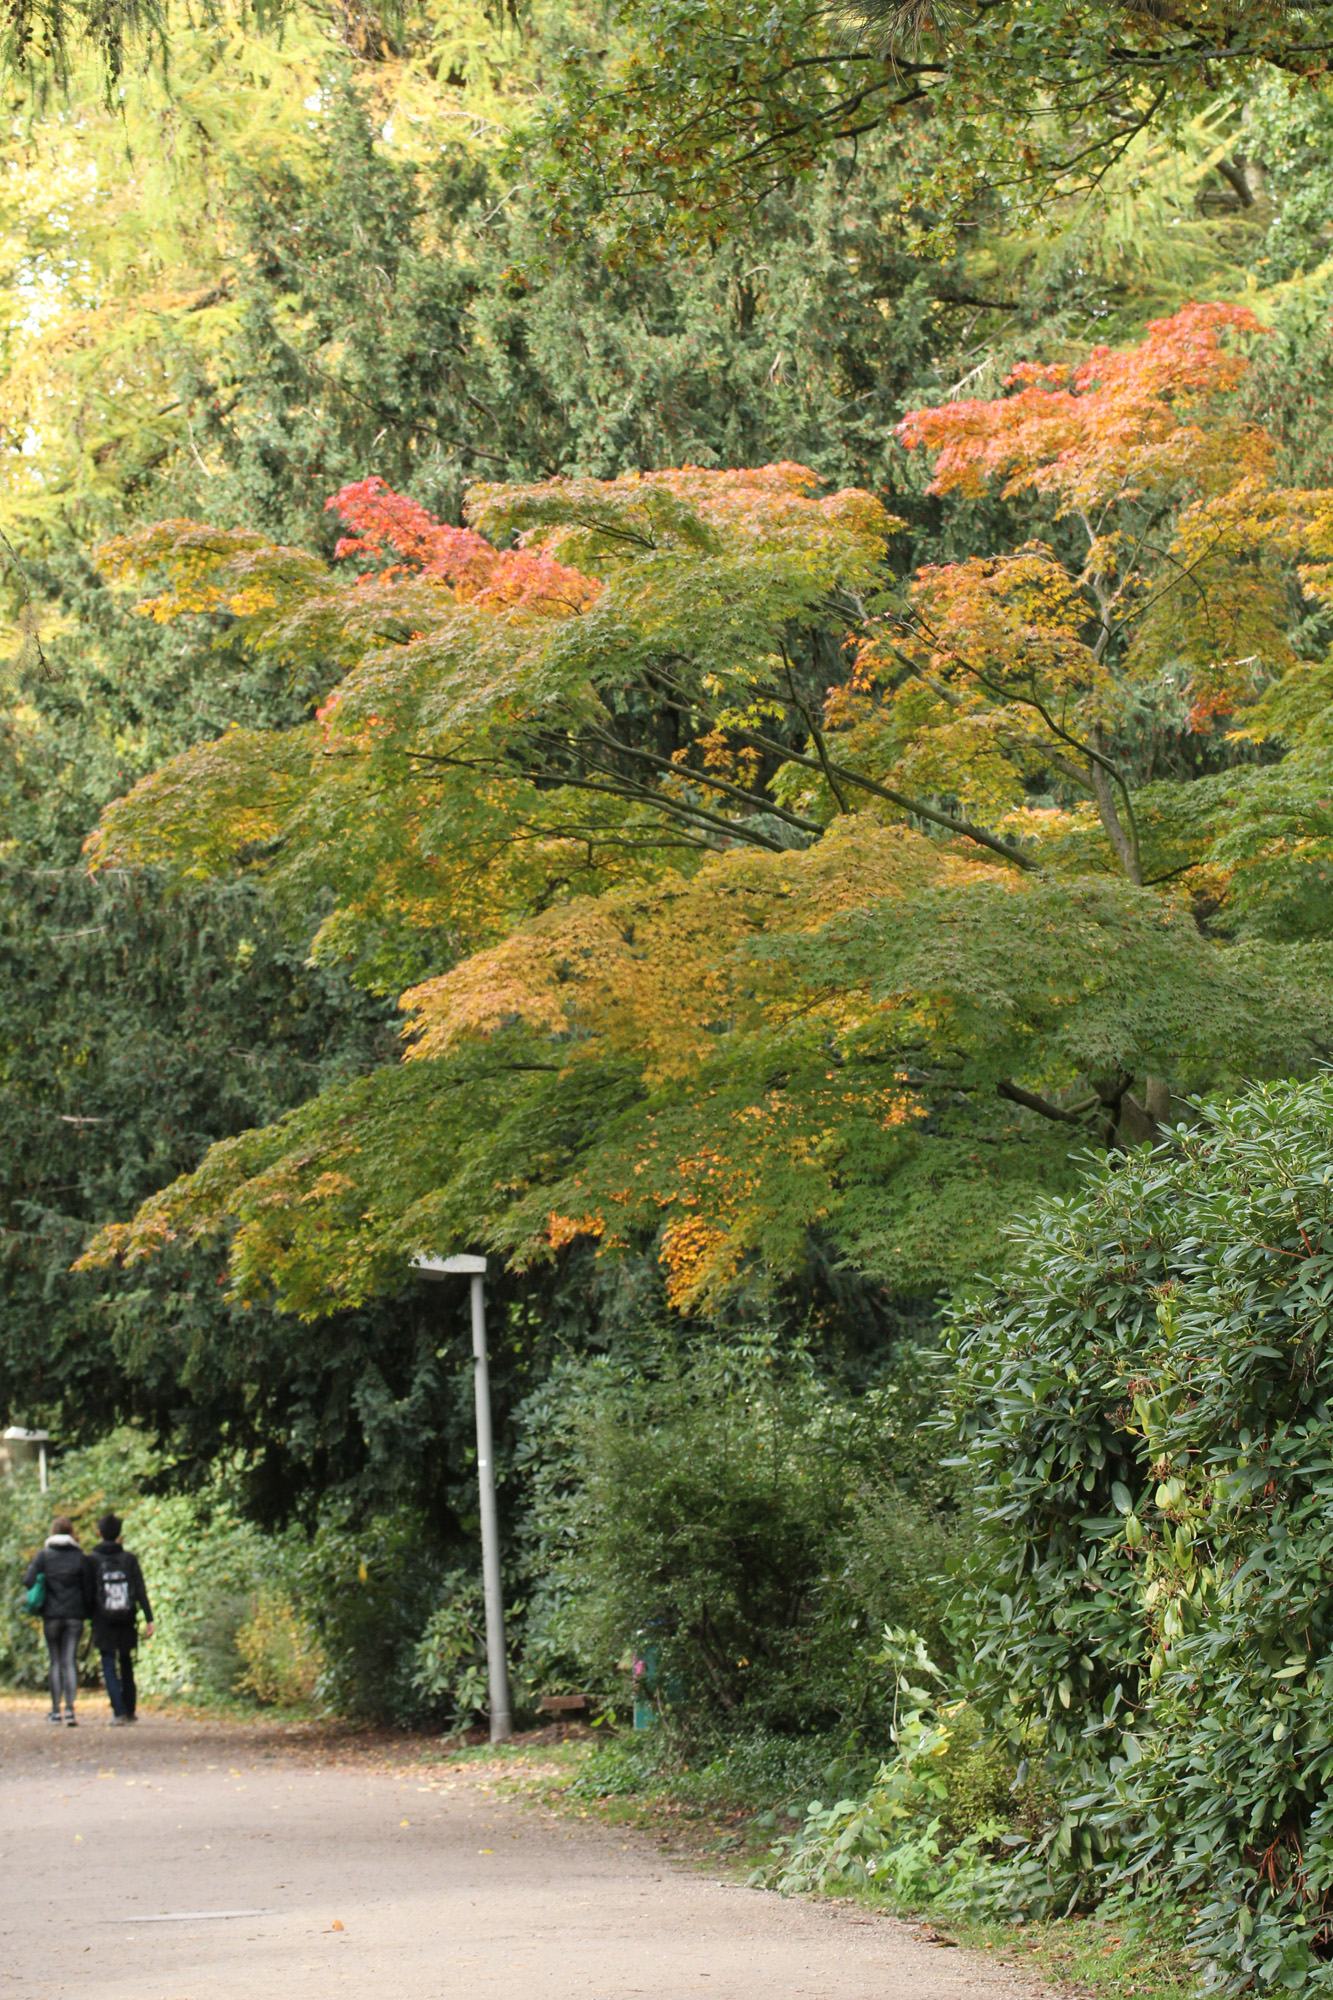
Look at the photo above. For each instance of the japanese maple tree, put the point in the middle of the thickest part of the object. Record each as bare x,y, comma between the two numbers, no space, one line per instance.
768,896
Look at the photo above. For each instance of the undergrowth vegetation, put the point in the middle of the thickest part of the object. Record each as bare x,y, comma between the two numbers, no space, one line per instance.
721,1532
1056,1648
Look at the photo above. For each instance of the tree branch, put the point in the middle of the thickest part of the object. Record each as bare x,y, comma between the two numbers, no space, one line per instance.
1015,1094
917,807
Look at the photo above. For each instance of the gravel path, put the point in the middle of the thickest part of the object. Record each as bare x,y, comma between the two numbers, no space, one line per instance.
188,1860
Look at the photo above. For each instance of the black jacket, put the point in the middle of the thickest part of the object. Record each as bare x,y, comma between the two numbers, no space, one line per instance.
68,1584
119,1635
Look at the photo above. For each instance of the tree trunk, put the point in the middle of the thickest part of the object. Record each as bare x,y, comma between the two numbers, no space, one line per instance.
1142,1124
1110,819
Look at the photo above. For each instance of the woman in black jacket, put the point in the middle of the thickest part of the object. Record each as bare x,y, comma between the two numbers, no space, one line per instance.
67,1603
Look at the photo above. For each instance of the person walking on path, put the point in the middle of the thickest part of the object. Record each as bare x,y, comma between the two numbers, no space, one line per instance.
118,1591
66,1604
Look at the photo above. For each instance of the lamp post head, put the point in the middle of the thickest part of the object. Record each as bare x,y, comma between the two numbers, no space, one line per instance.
449,1267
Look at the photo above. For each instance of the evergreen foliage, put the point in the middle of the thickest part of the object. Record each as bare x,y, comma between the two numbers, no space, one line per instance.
473,356
1143,1404
708,1510
203,251
128,1048
138,1027
788,874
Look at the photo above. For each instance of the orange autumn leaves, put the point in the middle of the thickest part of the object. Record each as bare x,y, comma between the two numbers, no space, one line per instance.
1170,567
468,757
474,569
663,971
1141,420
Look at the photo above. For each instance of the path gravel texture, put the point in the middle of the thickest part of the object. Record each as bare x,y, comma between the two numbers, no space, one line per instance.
186,1860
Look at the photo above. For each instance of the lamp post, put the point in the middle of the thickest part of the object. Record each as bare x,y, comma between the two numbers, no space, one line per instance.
496,1664
17,1435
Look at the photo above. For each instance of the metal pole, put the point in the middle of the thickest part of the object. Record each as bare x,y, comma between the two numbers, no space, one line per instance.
502,1727
497,1666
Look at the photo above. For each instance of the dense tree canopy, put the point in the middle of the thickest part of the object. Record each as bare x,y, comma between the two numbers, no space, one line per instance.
292,262
729,684
693,110
200,255
703,107
786,899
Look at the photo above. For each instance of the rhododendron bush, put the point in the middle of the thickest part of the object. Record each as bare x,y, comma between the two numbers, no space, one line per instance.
743,894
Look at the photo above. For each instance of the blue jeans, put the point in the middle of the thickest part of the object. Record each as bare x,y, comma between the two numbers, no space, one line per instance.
120,1686
62,1646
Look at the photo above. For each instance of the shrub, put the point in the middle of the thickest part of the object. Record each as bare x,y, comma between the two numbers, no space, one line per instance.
935,1811
214,1636
281,1659
890,1565
700,1515
368,1589
449,1660
1146,1400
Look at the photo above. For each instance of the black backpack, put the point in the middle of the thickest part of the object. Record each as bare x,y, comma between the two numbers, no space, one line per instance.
115,1592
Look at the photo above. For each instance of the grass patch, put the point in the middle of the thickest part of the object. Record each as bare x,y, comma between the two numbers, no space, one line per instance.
1111,1957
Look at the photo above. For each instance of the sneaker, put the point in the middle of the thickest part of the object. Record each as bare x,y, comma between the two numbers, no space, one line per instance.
71,1720
118,1721
54,1716
131,1718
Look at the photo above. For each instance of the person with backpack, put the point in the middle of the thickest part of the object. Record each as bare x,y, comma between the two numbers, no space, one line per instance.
118,1591
58,1587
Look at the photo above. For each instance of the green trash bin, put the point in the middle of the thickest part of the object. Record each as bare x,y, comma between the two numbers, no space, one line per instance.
651,1686
646,1663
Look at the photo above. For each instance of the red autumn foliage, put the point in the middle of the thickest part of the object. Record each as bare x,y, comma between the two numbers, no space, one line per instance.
431,550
